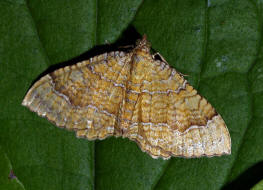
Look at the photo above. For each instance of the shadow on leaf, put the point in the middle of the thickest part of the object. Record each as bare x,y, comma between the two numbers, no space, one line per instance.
247,179
126,42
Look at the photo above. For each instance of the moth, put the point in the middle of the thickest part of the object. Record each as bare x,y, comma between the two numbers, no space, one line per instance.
132,95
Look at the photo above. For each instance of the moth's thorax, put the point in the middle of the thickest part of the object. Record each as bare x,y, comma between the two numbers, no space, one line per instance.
142,65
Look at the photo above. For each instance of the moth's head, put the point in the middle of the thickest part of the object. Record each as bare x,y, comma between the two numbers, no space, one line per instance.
143,45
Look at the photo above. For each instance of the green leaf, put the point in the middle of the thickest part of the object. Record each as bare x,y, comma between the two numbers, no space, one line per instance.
218,44
258,186
8,180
